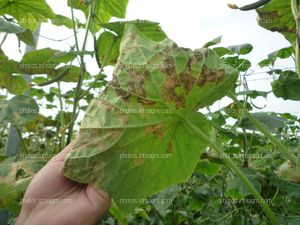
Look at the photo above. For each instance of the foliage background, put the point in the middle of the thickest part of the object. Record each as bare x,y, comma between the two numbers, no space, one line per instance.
202,200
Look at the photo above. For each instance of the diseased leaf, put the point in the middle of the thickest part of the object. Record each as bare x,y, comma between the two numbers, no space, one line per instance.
277,16
14,179
150,29
135,135
108,43
288,171
19,110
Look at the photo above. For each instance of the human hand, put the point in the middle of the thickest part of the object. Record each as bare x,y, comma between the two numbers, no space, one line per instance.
52,199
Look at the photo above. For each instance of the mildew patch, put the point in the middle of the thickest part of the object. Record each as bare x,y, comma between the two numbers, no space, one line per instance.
208,75
138,161
156,130
144,101
170,147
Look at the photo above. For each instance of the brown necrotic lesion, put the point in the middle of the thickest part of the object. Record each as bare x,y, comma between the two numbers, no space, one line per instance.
176,87
157,130
186,81
208,75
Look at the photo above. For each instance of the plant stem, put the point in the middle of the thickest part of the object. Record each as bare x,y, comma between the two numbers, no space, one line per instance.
101,70
283,149
295,11
22,141
74,26
4,38
82,65
298,157
228,161
62,120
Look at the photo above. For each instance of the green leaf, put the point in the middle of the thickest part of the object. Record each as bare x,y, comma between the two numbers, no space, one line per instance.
104,10
72,74
150,29
163,200
8,195
277,16
27,37
107,9
44,61
254,94
235,188
241,49
116,8
221,51
272,122
241,65
213,42
108,46
19,110
61,20
118,214
8,27
287,86
17,85
78,5
136,131
283,53
235,111
8,67
207,168
38,61
29,13
65,57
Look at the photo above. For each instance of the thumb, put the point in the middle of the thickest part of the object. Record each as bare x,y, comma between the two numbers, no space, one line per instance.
99,199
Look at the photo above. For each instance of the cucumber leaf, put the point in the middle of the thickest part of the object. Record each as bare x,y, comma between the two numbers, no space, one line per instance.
135,138
277,16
